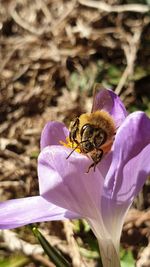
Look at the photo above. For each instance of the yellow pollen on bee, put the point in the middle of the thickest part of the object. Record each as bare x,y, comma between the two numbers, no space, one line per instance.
70,144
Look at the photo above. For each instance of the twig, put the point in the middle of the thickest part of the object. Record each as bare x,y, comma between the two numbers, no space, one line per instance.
9,56
130,51
45,10
116,8
14,243
64,16
6,60
23,23
74,251
43,260
137,217
144,258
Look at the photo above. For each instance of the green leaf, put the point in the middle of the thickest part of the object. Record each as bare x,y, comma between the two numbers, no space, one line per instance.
14,261
89,253
139,73
114,74
81,225
127,259
86,226
34,154
54,255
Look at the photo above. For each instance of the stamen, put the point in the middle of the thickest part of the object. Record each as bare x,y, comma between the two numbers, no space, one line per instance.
70,144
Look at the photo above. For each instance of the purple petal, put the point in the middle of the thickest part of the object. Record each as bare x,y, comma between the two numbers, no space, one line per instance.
134,174
53,133
19,212
110,102
132,137
105,164
128,171
65,182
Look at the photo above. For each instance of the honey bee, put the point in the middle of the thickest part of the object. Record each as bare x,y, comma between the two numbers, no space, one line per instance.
93,133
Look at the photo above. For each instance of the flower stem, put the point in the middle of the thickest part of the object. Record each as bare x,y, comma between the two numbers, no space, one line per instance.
109,256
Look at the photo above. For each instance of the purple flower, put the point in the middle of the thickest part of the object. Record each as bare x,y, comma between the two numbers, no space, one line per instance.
103,196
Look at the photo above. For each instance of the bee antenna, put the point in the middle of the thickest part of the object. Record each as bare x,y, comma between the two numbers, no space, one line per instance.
72,151
76,148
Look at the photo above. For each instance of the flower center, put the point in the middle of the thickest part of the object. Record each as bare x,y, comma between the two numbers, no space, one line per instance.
70,144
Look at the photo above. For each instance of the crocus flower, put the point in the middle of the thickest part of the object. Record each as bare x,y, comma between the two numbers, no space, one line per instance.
103,196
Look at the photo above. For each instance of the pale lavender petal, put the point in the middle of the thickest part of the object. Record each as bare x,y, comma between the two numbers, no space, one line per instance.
53,133
18,212
110,102
134,175
105,164
132,137
65,182
128,171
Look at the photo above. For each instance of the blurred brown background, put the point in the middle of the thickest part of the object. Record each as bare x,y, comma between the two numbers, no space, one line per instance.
51,54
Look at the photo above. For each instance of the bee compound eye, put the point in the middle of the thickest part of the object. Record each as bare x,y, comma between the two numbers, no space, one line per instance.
87,146
90,130
100,138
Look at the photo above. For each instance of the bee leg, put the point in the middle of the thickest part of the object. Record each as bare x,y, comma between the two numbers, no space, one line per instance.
91,166
74,130
96,159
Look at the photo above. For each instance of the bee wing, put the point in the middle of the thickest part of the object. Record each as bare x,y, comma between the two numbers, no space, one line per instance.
101,99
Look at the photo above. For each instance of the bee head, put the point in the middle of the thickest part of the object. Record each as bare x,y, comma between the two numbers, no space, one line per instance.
92,137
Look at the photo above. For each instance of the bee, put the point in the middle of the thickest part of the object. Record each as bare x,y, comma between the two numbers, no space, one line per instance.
93,133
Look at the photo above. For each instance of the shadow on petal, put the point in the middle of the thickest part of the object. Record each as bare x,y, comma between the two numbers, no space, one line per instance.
65,182
53,133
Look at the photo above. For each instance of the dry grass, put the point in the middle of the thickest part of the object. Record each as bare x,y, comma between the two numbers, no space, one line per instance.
42,44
